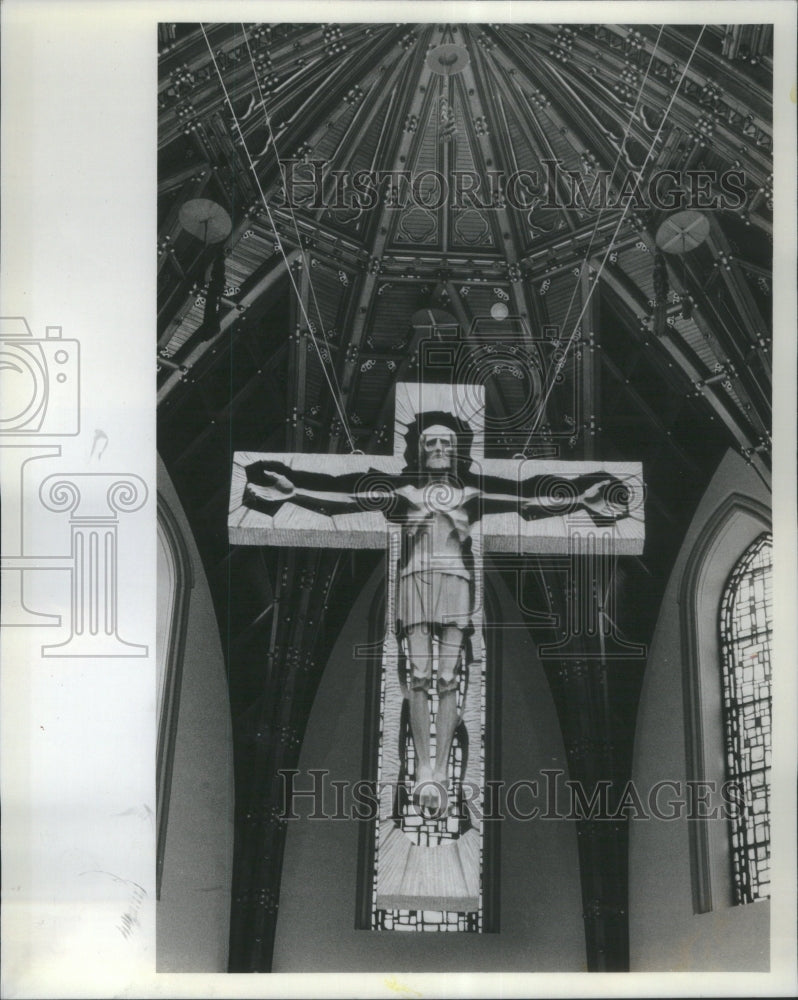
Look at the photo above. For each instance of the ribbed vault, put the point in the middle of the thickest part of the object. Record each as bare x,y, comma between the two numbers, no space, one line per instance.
565,149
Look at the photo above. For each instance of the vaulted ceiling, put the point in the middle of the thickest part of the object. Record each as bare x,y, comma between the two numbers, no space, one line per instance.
566,149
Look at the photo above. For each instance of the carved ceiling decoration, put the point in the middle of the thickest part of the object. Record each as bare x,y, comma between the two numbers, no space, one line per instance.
509,180
483,104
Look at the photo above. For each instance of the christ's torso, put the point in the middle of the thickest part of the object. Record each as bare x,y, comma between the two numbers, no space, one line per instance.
435,530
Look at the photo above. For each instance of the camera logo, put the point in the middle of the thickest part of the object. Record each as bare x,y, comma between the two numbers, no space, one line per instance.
40,381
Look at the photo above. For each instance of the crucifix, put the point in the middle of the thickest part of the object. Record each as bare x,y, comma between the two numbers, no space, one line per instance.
439,504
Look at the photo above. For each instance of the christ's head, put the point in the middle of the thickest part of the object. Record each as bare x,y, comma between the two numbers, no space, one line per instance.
438,449
438,444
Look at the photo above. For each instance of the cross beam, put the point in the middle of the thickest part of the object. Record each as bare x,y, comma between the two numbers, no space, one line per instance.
437,504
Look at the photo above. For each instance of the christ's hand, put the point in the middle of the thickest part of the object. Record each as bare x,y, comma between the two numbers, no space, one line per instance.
273,487
606,500
279,482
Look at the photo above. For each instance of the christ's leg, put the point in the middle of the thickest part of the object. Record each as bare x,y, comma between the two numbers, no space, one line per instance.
419,652
449,656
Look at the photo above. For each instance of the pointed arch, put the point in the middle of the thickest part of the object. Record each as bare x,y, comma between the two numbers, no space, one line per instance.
176,580
746,625
735,525
535,910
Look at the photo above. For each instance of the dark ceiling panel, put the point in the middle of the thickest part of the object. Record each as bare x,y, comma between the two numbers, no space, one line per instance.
677,370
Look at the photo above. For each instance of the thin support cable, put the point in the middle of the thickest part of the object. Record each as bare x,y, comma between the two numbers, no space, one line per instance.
341,413
273,141
589,295
621,147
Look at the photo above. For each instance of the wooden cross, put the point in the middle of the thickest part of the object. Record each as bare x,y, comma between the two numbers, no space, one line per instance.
428,840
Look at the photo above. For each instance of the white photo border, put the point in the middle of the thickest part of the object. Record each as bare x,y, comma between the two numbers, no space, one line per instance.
78,251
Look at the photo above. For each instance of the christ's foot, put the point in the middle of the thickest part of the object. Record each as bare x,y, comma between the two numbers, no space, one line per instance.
440,782
429,793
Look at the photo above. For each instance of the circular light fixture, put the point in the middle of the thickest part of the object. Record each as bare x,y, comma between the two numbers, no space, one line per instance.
683,231
205,219
499,310
448,59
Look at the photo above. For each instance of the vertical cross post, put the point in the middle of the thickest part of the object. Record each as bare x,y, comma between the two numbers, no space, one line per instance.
439,504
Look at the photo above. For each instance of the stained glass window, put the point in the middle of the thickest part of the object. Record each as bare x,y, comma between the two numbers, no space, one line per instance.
745,638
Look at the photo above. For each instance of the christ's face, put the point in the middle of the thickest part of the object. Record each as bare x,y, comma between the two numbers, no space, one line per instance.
438,447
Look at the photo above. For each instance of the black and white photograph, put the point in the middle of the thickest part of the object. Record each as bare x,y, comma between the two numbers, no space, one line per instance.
400,515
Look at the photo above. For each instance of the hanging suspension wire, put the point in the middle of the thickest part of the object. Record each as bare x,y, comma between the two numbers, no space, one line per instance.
621,147
273,141
338,406
594,286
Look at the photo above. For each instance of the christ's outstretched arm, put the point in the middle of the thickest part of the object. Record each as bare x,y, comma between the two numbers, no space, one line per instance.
604,497
271,483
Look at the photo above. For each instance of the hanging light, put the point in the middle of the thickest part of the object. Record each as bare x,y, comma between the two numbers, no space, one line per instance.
678,234
206,220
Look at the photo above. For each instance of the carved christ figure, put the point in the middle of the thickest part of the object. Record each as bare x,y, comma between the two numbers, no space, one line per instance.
437,500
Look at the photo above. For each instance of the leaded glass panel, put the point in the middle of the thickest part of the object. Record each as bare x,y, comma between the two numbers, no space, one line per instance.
745,637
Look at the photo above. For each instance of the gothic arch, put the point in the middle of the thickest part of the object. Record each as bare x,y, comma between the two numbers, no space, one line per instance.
737,522
536,886
492,752
171,651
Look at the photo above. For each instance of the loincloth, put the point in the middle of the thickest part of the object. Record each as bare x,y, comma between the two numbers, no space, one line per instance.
434,599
